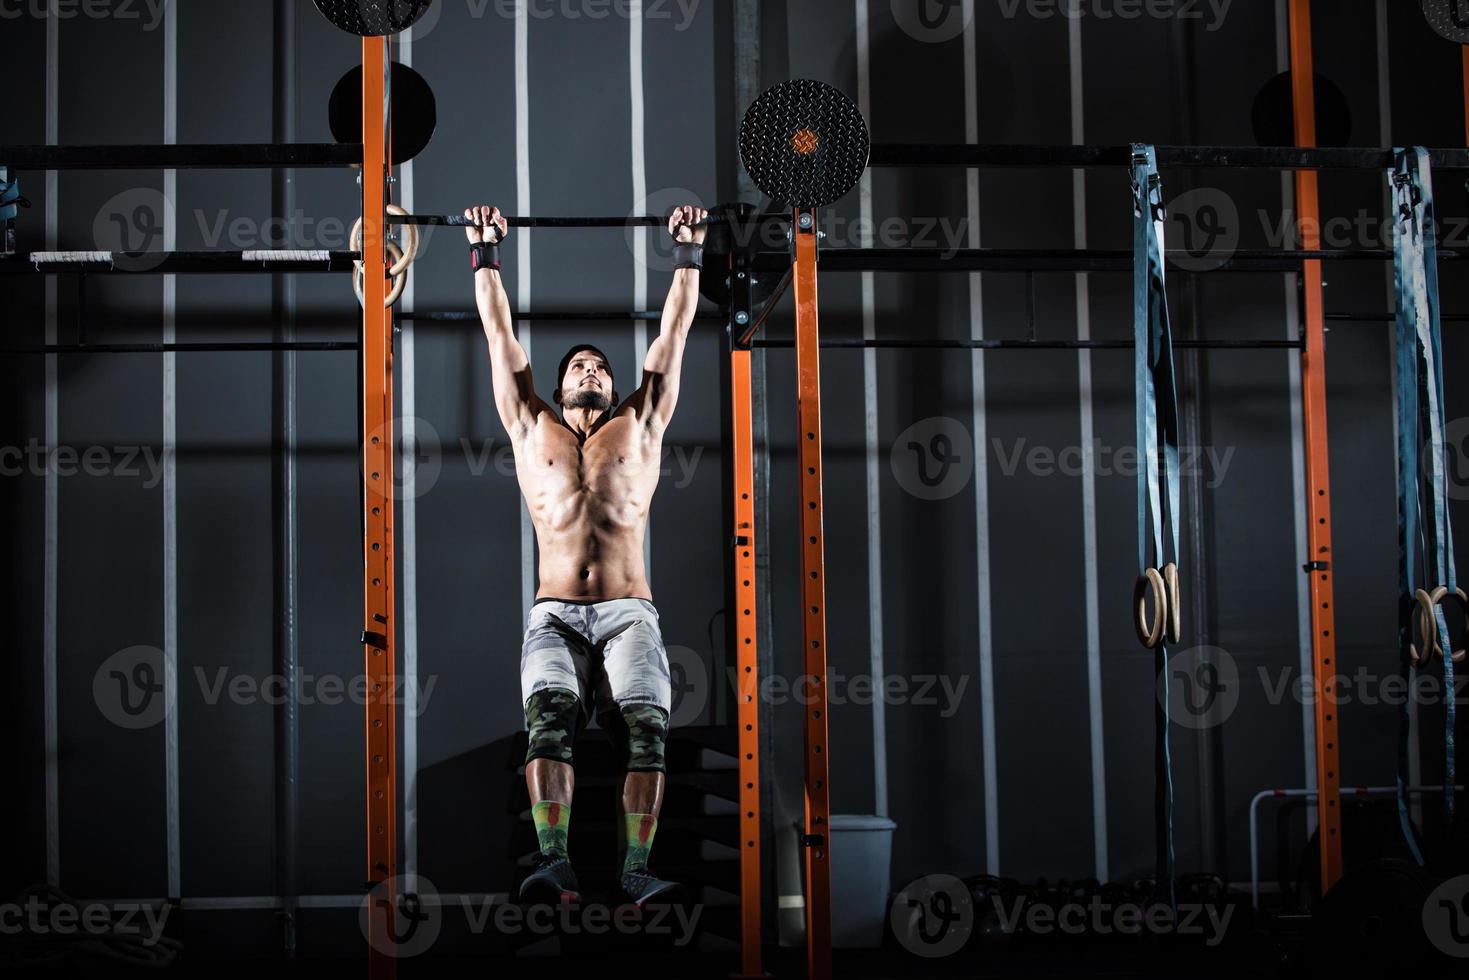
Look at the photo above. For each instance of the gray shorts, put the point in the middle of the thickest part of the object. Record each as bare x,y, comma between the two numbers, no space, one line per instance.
609,653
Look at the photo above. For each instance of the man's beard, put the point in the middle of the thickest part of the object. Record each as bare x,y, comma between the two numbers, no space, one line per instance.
588,398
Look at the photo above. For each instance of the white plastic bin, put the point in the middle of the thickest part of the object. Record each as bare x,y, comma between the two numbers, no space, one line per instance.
861,876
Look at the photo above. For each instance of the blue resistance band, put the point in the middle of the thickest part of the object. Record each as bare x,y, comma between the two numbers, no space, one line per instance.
1157,441
1426,573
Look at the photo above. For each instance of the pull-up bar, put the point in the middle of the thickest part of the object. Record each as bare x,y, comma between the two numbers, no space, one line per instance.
568,221
191,156
1231,157
181,156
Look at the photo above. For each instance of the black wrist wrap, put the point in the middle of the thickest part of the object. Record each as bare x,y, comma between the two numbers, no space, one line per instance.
483,255
688,255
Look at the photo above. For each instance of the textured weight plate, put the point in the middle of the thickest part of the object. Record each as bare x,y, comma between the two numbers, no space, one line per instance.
804,143
373,18
1449,17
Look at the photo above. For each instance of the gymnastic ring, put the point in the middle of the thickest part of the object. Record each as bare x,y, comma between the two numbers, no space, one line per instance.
1458,655
410,242
1428,623
1175,607
1150,578
399,281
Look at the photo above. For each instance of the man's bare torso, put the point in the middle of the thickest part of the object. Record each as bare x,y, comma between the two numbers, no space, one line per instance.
589,503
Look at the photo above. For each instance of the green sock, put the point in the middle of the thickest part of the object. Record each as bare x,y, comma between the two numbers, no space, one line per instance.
552,820
640,830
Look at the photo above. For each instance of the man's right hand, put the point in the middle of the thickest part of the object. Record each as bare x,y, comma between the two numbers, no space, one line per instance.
485,217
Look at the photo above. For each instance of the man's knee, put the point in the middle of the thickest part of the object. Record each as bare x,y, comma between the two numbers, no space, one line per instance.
643,733
551,715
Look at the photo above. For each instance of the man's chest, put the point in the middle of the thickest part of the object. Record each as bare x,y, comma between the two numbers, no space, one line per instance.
614,454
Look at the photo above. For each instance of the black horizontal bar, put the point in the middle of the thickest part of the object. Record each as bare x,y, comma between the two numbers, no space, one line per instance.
183,156
1388,317
1062,260
186,348
833,260
1259,157
1036,344
454,316
156,263
572,221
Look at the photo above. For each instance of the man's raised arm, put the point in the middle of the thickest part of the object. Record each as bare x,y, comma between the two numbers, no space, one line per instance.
515,395
664,364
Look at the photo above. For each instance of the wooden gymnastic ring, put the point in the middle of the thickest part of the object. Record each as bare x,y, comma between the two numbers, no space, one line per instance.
1175,606
410,242
1423,618
1428,623
1458,655
1150,578
399,281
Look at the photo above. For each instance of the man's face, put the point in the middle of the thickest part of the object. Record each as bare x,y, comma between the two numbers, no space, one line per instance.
587,383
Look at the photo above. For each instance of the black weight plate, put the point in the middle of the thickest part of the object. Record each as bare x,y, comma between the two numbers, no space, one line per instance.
414,112
1449,18
804,143
1273,115
372,18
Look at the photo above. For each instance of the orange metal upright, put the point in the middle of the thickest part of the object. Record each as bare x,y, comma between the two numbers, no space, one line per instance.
749,670
377,544
817,840
1318,473
1465,49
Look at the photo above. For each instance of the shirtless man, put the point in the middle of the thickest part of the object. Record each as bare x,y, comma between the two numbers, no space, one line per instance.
592,641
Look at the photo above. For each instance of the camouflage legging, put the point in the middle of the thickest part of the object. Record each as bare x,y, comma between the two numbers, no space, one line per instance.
553,717
639,732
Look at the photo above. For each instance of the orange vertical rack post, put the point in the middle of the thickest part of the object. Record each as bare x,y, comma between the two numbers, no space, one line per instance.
1465,49
817,839
1318,473
749,670
377,542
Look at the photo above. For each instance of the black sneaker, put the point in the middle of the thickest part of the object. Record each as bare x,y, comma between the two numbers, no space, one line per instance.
551,882
641,887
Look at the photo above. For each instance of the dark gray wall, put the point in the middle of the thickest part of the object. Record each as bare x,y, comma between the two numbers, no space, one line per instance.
110,540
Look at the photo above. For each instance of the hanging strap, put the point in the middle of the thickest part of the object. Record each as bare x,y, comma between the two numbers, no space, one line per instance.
10,198
1426,573
1158,476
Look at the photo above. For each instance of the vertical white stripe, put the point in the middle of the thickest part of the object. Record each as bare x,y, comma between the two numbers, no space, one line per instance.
522,260
1384,122
407,370
981,466
1089,474
1297,452
871,395
640,235
170,473
52,418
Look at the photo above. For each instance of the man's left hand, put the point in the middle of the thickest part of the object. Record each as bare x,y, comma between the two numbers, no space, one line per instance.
686,224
